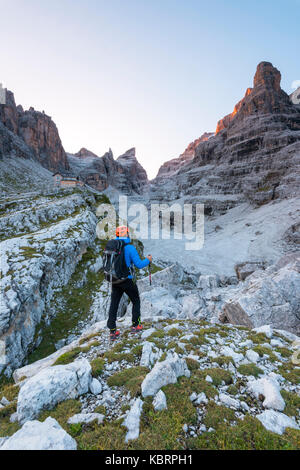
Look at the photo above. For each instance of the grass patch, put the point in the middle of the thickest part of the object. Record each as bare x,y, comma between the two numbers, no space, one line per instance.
97,366
215,415
261,350
198,384
129,378
250,369
100,409
67,357
161,430
8,389
222,360
218,376
232,390
8,410
62,412
284,352
292,403
290,372
174,345
258,338
248,434
174,332
192,364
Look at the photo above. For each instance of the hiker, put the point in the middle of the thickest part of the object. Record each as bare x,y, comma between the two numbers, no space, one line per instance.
120,273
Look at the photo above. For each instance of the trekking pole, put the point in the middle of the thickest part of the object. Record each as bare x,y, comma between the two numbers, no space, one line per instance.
150,281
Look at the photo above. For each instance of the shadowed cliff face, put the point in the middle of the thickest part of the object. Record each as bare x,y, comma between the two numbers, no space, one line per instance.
125,173
254,156
37,130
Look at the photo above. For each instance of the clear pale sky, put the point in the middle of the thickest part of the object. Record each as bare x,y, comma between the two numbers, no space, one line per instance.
150,74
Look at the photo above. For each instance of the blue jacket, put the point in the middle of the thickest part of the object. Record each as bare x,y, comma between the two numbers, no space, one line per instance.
131,256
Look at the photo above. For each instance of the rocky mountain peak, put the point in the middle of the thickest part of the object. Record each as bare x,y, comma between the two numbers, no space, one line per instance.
129,154
85,153
266,97
38,132
295,96
267,75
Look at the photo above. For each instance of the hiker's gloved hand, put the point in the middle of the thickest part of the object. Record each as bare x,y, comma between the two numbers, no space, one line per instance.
149,257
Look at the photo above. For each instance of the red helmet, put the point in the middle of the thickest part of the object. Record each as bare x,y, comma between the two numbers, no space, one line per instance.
122,231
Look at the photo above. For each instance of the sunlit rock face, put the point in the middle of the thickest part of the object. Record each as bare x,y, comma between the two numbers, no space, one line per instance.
254,156
37,131
171,166
295,96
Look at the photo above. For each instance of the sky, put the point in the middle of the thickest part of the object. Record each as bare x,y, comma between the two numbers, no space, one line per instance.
150,74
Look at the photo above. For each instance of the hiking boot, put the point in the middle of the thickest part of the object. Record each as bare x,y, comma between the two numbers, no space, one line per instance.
136,329
114,334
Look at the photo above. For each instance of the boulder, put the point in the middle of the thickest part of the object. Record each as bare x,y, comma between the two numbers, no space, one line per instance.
150,354
52,386
267,388
95,387
35,435
244,270
276,422
132,420
164,373
269,297
86,418
229,401
160,401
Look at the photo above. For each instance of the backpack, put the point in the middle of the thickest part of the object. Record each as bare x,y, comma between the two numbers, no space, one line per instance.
114,265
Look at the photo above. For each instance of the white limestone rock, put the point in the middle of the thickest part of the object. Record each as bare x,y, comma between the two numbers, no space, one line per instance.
164,373
229,352
229,401
252,356
269,388
51,386
147,333
132,420
35,435
85,418
276,422
160,401
266,329
150,354
95,387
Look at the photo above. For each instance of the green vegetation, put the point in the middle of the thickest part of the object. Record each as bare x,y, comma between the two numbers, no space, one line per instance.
250,369
222,360
290,372
192,364
284,352
97,366
248,434
68,357
62,412
292,403
261,350
232,390
258,338
129,378
218,375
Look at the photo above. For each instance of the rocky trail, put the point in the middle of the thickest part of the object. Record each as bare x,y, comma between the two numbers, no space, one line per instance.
201,385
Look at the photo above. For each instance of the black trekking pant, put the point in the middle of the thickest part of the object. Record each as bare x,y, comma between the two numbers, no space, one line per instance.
130,288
